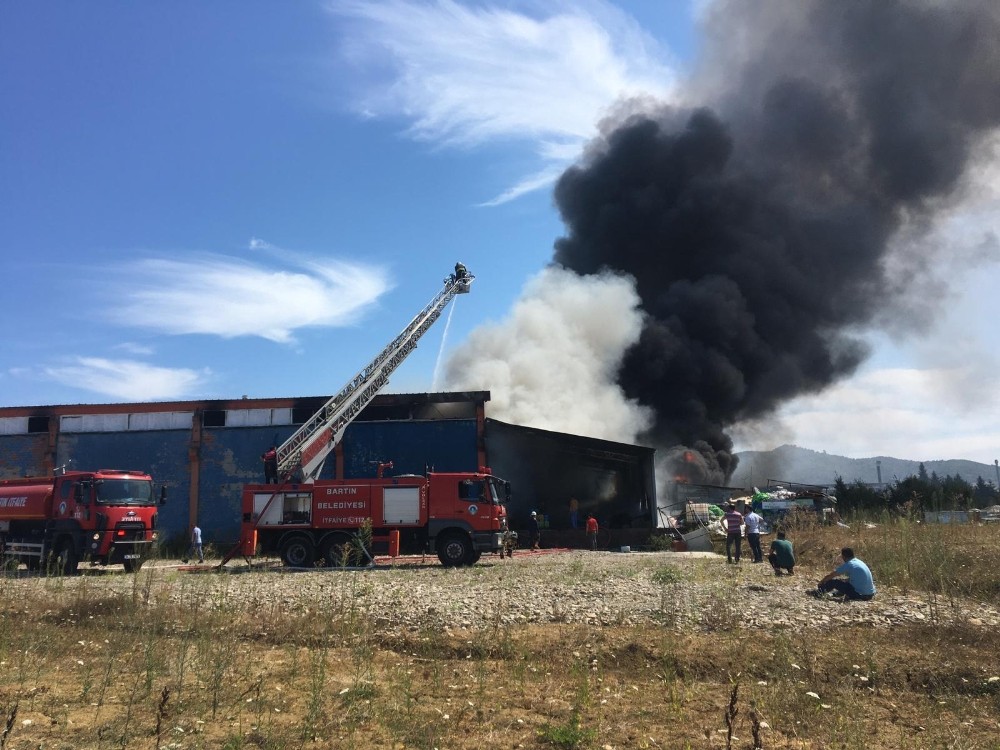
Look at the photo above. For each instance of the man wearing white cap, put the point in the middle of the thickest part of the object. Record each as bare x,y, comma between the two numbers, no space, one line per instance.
534,535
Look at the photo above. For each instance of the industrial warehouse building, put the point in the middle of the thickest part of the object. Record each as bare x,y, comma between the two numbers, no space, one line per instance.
205,451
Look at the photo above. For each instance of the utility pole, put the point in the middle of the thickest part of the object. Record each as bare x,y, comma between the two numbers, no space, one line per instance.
996,465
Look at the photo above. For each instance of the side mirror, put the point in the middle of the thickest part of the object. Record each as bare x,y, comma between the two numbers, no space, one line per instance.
163,495
78,493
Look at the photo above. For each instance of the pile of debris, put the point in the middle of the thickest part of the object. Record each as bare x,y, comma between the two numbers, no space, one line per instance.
695,516
772,504
776,502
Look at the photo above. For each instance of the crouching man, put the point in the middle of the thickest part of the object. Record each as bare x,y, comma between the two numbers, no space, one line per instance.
857,586
781,555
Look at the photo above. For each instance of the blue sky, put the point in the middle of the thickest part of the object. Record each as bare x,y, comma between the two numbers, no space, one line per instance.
210,200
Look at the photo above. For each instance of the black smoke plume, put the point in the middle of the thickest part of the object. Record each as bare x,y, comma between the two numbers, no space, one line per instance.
757,222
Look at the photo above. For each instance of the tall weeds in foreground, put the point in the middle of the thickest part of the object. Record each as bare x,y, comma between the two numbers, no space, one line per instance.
732,711
571,733
329,670
11,718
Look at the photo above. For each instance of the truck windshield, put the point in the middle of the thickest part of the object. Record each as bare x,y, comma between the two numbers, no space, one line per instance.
496,493
124,492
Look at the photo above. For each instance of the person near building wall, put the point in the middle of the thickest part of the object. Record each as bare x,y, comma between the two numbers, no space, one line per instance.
592,529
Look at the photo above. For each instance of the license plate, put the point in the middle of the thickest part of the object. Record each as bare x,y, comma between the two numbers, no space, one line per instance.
131,557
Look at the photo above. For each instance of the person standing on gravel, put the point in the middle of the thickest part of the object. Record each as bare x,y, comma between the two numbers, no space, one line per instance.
733,522
592,531
534,535
781,555
196,547
858,585
752,520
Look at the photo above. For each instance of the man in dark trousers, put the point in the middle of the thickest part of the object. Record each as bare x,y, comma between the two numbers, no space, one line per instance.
270,459
781,555
733,523
592,530
858,584
534,535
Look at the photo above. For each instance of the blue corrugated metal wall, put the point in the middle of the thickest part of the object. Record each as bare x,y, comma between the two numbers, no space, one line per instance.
22,455
230,458
411,446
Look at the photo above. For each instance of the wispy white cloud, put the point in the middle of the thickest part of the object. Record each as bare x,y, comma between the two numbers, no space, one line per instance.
133,348
127,380
463,75
229,297
526,185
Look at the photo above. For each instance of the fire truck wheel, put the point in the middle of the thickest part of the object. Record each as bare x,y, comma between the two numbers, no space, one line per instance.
454,550
297,552
338,552
63,562
473,558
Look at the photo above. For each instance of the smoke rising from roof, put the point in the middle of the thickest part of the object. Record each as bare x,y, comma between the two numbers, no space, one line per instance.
757,223
551,364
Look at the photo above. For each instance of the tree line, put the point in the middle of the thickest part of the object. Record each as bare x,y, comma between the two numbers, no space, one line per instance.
916,494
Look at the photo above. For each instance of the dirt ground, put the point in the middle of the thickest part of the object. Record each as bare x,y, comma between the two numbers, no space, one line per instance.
165,659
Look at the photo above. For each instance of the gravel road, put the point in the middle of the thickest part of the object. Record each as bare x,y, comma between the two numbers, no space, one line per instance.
676,590
684,591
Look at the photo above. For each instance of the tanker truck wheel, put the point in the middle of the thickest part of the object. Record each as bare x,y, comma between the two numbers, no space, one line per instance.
63,562
297,552
454,549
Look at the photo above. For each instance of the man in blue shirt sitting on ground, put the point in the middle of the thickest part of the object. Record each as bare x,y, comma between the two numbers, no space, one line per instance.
858,585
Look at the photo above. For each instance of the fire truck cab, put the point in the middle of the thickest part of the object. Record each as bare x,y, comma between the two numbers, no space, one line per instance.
104,517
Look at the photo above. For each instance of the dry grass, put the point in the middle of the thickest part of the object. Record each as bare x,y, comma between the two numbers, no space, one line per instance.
80,668
948,559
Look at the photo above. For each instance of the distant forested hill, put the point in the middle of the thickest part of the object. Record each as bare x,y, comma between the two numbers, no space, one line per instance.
793,464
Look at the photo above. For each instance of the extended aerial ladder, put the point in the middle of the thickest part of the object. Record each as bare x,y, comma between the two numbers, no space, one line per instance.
303,454
300,458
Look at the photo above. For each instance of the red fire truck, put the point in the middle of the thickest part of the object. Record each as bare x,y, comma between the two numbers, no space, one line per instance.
334,522
344,521
104,517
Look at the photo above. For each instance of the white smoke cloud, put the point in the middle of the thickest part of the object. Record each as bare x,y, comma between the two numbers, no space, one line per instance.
551,363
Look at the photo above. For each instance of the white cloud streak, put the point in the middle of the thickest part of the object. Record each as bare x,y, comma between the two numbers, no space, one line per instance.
127,380
467,75
231,297
133,348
